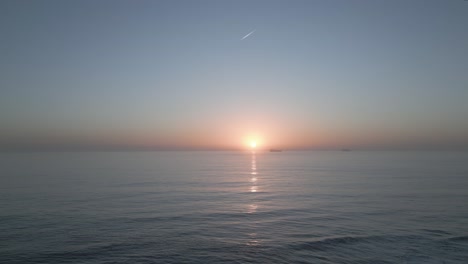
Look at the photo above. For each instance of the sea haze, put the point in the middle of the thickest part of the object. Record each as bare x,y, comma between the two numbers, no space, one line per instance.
234,207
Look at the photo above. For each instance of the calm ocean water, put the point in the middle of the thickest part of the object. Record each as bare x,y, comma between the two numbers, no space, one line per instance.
234,207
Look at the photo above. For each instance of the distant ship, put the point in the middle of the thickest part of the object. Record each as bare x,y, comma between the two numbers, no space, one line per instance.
345,149
276,150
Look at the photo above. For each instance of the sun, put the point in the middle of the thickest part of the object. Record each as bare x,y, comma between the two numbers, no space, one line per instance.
253,144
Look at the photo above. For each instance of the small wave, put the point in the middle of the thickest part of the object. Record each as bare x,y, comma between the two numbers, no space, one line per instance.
333,242
436,231
458,239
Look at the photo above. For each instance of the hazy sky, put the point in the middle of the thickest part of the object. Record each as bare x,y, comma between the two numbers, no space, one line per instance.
164,74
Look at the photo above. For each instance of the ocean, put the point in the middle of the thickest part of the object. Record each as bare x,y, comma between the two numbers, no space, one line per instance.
234,207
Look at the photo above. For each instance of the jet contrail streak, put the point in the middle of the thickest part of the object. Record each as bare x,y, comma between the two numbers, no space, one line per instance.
248,34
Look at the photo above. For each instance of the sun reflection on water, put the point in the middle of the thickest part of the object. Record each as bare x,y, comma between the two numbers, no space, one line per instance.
253,172
253,206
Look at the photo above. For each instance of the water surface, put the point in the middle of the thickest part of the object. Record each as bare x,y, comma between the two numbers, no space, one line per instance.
234,207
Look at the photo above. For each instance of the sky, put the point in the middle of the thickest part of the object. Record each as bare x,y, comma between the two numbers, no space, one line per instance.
180,74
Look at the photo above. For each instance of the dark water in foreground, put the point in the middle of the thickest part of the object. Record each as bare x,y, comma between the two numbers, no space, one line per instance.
234,207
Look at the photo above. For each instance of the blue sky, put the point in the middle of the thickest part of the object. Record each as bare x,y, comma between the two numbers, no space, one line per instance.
314,74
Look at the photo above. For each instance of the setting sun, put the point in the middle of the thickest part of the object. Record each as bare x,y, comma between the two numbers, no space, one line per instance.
253,141
253,144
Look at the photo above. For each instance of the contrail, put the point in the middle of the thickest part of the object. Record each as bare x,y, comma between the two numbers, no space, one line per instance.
248,34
